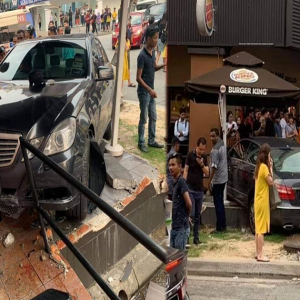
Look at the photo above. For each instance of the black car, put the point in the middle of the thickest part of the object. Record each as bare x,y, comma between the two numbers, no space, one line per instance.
157,11
176,275
241,184
57,93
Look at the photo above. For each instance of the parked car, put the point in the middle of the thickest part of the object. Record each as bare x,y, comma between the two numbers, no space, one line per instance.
176,275
241,184
137,23
157,11
66,118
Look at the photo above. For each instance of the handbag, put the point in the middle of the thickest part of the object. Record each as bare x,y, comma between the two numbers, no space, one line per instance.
274,197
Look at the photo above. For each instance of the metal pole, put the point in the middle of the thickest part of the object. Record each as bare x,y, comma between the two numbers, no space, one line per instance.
128,226
114,148
35,196
224,135
105,287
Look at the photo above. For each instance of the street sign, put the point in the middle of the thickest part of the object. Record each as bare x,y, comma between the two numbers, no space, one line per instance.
30,2
21,18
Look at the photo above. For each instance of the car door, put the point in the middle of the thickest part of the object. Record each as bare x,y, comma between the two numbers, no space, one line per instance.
242,172
233,159
108,88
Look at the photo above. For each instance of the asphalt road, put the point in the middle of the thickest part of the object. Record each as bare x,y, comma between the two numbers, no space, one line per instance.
215,288
131,93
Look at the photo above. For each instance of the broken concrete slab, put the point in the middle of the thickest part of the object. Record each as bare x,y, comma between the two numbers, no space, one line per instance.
118,177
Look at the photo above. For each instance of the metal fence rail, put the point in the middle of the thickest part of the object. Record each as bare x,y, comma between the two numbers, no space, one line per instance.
128,226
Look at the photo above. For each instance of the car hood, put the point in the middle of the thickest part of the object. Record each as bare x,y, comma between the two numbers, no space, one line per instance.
21,108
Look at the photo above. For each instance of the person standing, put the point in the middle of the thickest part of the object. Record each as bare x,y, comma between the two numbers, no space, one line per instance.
129,36
290,129
102,21
245,130
283,122
114,19
51,17
231,130
87,21
108,20
77,15
82,16
99,21
181,128
55,20
269,130
119,15
94,20
146,68
263,179
70,17
218,177
195,168
259,124
182,205
40,22
66,20
61,18
277,127
170,181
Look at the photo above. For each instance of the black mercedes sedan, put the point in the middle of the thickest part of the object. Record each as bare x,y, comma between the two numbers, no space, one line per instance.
55,92
241,184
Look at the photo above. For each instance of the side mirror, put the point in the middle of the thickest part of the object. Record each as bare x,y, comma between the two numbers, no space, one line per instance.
105,74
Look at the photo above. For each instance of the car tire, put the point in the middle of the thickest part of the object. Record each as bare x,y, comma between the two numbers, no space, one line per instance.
251,216
93,177
108,133
79,212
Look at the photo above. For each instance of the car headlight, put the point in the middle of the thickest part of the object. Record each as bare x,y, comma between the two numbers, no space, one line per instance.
36,143
62,138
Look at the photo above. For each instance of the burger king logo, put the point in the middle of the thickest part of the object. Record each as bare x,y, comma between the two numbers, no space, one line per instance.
205,17
243,76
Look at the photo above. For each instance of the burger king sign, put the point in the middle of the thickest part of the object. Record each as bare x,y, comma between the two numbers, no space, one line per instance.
205,17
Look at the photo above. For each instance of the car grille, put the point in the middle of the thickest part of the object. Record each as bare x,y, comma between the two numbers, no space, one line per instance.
9,146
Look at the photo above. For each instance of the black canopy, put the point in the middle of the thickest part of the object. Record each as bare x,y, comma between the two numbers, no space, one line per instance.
243,75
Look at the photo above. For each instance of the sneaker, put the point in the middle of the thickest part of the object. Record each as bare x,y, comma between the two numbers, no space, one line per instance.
143,148
156,145
187,246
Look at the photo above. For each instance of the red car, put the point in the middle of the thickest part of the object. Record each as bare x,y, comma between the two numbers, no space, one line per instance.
137,24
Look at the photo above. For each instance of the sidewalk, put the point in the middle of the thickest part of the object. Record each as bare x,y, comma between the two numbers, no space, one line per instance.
80,29
243,268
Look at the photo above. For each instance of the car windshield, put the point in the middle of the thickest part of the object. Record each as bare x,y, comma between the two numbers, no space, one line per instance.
63,59
157,10
286,161
136,20
144,6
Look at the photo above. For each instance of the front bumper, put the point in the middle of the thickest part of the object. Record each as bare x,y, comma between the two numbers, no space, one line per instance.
54,192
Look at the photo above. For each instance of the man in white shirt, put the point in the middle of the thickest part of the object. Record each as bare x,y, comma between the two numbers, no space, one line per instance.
181,129
283,122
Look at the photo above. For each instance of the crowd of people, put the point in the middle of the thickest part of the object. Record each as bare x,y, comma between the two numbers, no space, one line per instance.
95,20
262,122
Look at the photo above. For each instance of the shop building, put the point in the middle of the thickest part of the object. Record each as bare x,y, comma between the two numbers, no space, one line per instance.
267,29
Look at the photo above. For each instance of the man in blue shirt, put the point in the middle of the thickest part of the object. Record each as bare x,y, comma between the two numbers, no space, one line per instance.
170,181
182,205
146,68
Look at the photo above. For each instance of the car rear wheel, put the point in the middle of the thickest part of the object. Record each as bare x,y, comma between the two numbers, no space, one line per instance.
251,215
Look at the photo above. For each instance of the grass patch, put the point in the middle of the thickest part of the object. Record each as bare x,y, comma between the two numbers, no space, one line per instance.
232,234
214,246
129,141
275,238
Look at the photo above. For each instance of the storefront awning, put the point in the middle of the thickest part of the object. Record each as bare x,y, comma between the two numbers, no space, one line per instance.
243,75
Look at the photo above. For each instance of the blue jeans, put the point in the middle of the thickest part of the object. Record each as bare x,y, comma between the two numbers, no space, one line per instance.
179,238
218,194
197,199
148,110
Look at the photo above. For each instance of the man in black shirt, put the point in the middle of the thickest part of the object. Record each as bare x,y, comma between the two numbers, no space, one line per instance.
245,130
182,205
195,167
146,68
270,129
258,127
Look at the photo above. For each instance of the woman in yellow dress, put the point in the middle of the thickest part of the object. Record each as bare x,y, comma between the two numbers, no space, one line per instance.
125,65
263,179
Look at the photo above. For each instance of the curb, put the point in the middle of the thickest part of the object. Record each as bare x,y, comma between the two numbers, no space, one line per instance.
247,268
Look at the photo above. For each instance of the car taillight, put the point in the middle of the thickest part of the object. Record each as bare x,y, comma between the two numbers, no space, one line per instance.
173,264
285,192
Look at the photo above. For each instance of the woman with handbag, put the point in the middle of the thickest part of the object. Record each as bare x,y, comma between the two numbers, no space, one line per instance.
263,180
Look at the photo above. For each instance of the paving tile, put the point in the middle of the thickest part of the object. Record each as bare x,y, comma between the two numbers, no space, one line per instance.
3,294
145,170
74,286
35,293
32,242
11,255
47,269
20,281
56,284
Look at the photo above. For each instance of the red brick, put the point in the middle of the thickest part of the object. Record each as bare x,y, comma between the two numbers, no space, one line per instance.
83,230
60,245
127,200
